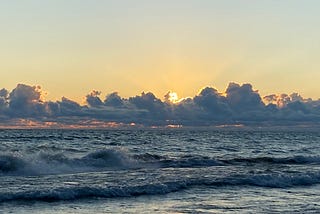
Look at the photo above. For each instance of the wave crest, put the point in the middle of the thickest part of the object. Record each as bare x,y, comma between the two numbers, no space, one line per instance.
75,191
45,162
55,163
10,163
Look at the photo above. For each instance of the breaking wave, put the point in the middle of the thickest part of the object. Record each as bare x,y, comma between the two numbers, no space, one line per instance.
118,159
75,191
55,163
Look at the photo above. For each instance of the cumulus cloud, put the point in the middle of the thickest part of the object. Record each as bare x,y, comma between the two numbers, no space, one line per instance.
213,102
154,107
114,100
68,107
4,93
243,98
239,104
93,99
26,101
3,98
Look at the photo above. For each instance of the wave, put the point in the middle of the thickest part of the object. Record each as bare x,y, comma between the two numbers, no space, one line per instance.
10,163
195,161
119,159
74,191
275,160
203,161
55,163
107,159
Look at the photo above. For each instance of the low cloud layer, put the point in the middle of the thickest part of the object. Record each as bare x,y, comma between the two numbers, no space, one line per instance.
25,106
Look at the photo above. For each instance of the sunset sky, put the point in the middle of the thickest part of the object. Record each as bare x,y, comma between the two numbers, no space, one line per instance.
71,47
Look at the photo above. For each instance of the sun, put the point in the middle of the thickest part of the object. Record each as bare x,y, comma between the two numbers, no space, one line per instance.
173,97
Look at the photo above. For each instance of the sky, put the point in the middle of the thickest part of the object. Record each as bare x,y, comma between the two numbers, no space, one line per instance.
240,106
72,47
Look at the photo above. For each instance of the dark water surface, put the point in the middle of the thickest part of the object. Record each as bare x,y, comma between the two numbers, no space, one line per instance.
164,171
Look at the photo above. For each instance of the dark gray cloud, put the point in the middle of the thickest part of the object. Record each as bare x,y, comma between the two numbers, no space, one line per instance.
4,95
114,100
26,101
212,102
93,99
239,104
68,107
243,98
154,108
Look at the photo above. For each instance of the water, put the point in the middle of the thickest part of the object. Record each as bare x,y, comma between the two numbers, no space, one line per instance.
159,171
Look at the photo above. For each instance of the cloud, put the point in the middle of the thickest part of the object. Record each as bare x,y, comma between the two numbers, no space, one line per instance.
243,98
4,93
26,101
211,101
93,99
114,100
283,100
68,107
3,99
239,104
154,108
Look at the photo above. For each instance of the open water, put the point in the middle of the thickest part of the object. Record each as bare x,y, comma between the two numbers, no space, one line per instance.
159,171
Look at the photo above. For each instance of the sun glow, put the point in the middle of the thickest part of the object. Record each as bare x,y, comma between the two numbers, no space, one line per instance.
173,97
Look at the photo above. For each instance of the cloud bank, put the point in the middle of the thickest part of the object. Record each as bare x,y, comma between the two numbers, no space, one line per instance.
25,107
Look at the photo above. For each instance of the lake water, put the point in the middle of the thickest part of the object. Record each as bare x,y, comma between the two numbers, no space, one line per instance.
159,171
